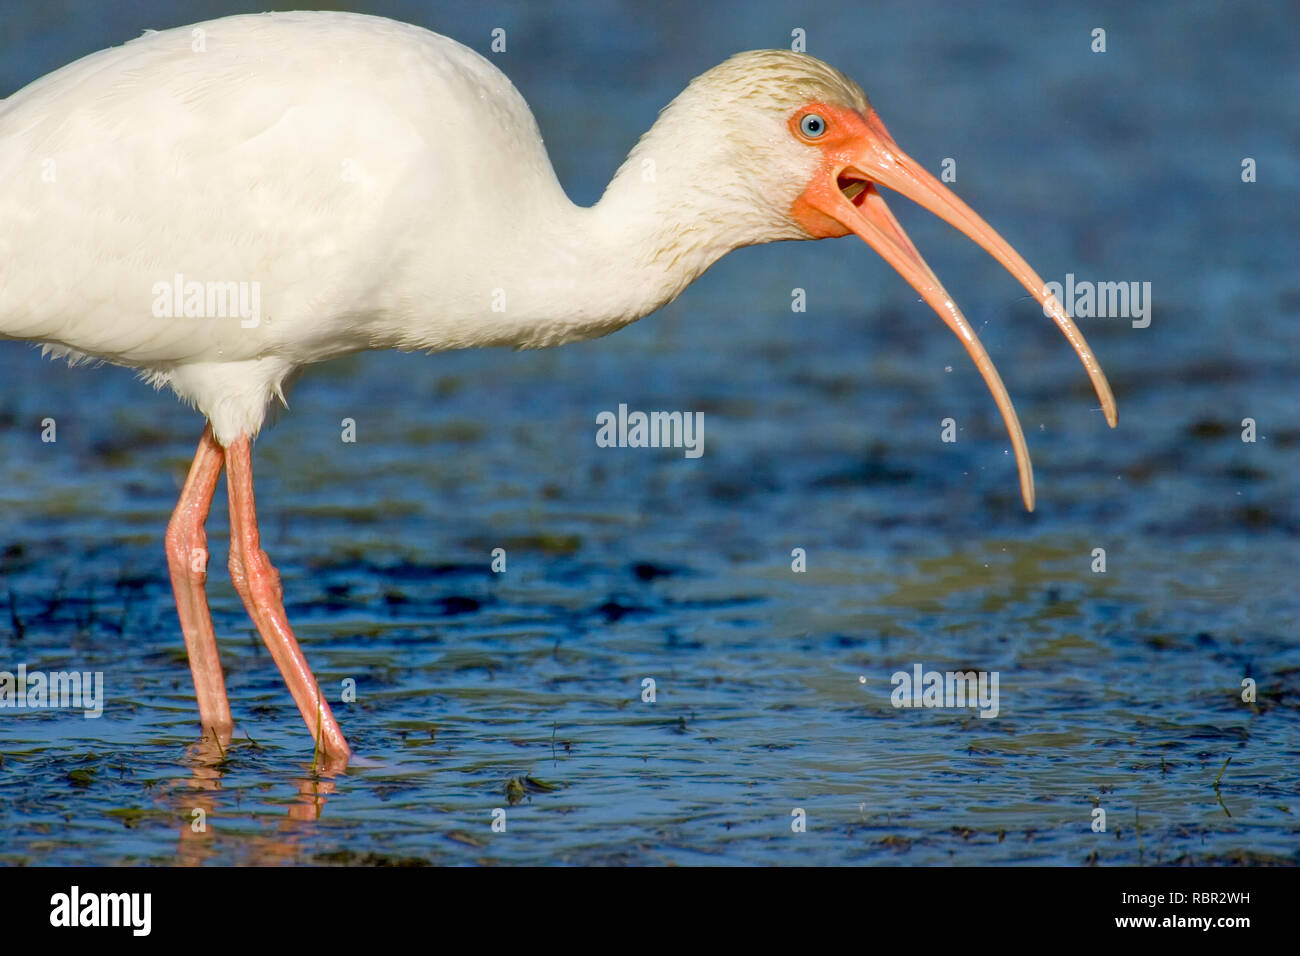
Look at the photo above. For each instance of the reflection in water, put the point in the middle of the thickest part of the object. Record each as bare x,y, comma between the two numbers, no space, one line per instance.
205,814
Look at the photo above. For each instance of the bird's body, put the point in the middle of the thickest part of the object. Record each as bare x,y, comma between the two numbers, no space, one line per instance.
219,206
337,161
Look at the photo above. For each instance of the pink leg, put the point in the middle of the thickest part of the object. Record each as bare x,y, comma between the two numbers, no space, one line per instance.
187,560
258,583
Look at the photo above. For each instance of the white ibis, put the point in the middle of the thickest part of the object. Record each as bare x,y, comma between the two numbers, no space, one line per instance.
220,205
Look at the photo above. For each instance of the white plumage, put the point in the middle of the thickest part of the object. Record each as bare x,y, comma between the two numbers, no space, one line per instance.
305,153
219,206
384,187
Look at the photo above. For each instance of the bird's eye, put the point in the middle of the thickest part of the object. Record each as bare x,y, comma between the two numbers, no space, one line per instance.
812,125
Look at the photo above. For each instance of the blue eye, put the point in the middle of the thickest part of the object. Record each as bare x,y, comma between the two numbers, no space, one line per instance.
812,125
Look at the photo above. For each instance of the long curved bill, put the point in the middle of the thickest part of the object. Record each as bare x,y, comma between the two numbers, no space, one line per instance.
847,193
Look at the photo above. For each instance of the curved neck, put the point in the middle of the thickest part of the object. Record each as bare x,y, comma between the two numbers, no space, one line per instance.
562,273
634,251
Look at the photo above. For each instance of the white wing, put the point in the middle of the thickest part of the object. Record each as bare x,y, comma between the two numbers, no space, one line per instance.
315,158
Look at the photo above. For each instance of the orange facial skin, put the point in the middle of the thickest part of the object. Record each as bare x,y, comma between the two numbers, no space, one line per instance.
857,154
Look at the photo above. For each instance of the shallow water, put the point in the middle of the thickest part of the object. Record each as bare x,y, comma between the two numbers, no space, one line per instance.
1119,690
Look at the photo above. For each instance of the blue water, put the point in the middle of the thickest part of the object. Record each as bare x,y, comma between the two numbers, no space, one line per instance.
1119,690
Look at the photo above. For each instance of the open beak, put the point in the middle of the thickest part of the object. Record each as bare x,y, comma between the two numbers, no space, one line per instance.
845,191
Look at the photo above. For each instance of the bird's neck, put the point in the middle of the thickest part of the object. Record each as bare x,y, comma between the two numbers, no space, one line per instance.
662,221
561,273
587,272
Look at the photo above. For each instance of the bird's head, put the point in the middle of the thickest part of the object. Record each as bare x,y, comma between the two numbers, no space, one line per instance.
779,145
